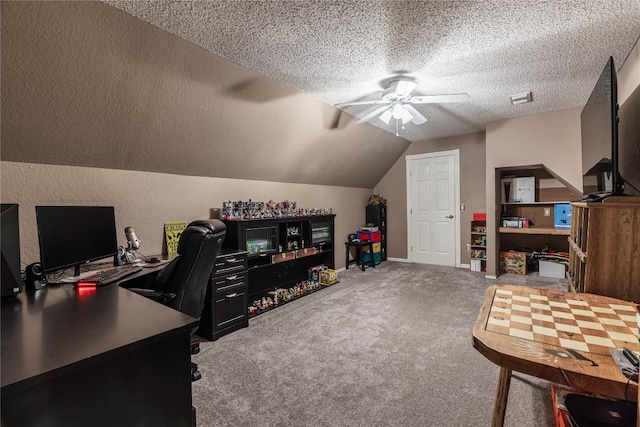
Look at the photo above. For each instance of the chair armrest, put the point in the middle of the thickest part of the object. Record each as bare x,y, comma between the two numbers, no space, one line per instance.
158,296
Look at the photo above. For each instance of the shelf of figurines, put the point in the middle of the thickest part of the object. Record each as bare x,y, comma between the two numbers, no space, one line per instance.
243,210
281,296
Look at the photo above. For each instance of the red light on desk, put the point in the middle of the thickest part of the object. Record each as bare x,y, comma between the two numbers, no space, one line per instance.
85,288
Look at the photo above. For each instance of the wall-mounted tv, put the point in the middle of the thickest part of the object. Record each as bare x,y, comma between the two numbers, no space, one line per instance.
599,129
629,143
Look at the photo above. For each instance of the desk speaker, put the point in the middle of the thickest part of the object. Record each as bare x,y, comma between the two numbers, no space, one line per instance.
35,277
120,258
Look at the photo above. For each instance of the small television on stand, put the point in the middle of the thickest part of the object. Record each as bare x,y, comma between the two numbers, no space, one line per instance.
599,132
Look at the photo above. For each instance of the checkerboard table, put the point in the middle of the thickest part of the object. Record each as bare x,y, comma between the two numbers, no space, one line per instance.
559,336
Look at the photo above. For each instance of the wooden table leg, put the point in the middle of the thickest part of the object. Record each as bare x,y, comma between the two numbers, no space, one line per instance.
502,393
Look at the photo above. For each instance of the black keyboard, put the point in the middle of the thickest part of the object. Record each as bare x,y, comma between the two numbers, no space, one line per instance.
109,275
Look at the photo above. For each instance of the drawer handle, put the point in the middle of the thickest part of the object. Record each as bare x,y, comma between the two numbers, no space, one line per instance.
231,295
230,260
232,277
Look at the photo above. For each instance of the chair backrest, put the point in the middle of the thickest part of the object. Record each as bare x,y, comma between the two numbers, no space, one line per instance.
189,273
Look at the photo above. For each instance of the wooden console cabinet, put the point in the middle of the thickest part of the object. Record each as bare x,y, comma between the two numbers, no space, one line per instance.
604,248
281,250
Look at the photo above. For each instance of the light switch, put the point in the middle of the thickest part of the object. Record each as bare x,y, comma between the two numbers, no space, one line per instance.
547,211
462,207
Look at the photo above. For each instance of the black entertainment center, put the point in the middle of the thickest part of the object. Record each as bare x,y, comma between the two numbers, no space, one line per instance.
280,251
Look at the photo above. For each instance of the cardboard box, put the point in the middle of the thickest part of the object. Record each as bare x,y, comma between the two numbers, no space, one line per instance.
513,262
551,269
562,215
515,222
313,273
518,190
328,277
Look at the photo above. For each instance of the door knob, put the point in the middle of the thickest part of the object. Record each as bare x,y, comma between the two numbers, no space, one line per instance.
449,216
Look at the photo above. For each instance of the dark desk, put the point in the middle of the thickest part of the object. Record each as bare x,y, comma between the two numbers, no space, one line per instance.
102,358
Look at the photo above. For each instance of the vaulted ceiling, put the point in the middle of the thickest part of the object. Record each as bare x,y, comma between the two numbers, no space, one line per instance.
344,51
247,89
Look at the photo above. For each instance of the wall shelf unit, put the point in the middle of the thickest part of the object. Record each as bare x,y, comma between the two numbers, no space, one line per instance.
377,215
478,245
550,231
550,189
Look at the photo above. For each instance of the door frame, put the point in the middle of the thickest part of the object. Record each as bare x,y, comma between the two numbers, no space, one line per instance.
456,177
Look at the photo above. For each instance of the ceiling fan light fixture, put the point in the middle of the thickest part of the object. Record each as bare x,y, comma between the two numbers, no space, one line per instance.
386,116
521,98
401,113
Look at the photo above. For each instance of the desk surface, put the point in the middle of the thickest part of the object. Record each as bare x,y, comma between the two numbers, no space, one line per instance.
47,333
559,336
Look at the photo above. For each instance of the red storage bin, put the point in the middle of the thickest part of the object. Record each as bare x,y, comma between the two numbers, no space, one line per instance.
372,236
479,216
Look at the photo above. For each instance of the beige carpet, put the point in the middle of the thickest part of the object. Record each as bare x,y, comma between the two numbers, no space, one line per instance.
391,346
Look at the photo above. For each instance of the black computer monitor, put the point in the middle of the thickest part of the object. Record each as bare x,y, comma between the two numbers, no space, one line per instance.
70,236
10,250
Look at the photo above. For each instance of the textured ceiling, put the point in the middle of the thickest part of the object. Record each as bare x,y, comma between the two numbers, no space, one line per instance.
342,51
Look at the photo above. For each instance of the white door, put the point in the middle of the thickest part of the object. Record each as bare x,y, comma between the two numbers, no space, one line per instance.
433,195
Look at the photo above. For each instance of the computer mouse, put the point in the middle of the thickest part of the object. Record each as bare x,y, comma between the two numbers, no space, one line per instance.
153,260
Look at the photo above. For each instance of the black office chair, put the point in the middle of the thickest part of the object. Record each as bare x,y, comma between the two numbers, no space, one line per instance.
182,284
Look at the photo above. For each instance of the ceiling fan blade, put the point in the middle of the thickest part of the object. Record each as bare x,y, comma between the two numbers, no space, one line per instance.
437,99
403,88
379,101
418,118
372,114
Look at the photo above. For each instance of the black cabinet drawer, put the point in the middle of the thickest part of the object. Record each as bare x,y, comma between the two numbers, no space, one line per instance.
226,263
229,282
230,310
225,307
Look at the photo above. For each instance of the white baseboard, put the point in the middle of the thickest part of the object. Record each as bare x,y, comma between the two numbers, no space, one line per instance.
490,276
466,266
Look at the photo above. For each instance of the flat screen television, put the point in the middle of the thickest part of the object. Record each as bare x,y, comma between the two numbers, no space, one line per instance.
629,143
70,236
599,133
11,275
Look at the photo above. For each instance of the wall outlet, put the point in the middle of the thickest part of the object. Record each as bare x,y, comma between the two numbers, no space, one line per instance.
547,211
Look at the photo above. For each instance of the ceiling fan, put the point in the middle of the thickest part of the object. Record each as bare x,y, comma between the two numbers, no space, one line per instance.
397,103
